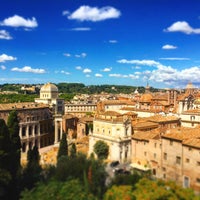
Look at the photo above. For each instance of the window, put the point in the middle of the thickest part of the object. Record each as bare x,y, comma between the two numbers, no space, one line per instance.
186,182
178,160
145,153
165,156
187,160
198,163
171,142
164,175
154,155
164,169
155,144
198,180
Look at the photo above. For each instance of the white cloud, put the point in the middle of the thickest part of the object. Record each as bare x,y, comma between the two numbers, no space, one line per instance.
65,12
113,41
64,72
67,54
81,29
139,62
18,21
174,58
4,58
107,69
94,14
5,35
87,70
98,75
82,55
184,27
3,67
29,69
78,67
169,46
115,75
132,76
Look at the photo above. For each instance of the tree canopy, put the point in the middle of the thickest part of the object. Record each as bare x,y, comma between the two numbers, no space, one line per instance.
101,149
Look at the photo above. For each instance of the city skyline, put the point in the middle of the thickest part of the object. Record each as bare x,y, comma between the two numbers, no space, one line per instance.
100,42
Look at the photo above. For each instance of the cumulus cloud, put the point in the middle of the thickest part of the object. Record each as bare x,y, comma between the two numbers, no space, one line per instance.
64,72
139,62
65,12
78,67
87,70
172,76
82,55
4,58
29,69
174,58
81,29
94,14
3,67
184,27
169,46
18,21
5,35
67,54
132,76
107,69
98,75
112,41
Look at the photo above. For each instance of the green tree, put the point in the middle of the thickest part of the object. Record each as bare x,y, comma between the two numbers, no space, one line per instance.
5,146
160,190
73,150
5,161
13,126
101,149
119,193
32,171
63,147
69,190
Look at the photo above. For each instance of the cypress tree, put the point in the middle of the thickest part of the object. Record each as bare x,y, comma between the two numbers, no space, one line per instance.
73,150
32,172
63,147
13,127
5,161
5,146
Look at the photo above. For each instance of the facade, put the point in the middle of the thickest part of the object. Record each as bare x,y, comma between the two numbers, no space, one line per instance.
174,155
80,109
35,123
114,129
49,96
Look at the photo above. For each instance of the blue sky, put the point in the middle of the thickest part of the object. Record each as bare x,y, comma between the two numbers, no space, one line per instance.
129,42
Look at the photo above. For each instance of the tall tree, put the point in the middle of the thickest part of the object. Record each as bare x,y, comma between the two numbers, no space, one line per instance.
13,127
63,147
5,145
32,171
5,160
73,150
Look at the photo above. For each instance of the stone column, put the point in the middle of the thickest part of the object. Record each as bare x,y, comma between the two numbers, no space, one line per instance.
56,132
27,129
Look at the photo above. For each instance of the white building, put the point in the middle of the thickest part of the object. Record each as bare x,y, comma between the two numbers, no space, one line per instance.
114,129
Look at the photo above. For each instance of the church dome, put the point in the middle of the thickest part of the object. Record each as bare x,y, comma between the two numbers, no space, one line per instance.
146,98
49,87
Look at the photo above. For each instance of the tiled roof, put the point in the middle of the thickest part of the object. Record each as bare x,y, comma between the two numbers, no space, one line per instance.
182,134
193,142
160,118
146,135
20,106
